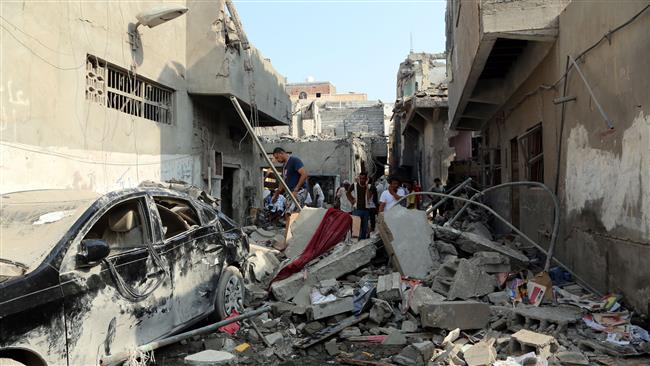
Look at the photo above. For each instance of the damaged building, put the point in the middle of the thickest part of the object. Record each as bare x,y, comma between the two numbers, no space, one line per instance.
420,132
101,102
557,99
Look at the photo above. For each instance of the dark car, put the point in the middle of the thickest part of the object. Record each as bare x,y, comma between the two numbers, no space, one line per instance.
83,275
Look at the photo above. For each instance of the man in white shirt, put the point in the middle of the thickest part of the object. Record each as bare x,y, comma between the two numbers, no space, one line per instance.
341,194
318,195
390,196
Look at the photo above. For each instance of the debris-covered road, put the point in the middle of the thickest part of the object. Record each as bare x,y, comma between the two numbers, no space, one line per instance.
416,293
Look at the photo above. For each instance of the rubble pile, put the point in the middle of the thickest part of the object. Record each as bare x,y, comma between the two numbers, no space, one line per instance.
424,294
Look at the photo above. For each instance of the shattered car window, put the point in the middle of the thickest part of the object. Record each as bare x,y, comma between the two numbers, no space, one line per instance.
31,223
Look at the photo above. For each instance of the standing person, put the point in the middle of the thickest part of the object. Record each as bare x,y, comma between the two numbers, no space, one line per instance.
319,196
373,204
358,195
342,197
390,196
418,199
295,175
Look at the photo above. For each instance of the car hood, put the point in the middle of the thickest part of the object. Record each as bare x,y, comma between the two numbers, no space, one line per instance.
32,222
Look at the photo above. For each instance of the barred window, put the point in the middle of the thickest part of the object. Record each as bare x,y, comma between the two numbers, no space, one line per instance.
119,89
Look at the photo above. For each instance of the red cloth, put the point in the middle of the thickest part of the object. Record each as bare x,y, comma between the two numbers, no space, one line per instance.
231,328
331,231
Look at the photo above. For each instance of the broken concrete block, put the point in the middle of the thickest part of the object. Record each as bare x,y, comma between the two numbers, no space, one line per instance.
455,314
525,341
479,228
274,338
451,337
389,287
416,354
423,295
499,298
332,347
407,237
459,279
541,318
568,358
445,248
338,306
302,229
472,243
350,332
263,263
491,262
210,357
342,259
409,326
381,311
480,354
394,338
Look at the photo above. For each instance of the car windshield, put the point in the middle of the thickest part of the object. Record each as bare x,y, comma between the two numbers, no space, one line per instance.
32,222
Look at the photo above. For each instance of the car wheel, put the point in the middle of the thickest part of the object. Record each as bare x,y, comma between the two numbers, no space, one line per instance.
230,293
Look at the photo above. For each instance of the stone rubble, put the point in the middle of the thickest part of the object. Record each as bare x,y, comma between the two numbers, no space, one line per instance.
420,294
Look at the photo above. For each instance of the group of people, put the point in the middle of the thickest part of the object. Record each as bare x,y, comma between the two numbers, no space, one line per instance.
363,198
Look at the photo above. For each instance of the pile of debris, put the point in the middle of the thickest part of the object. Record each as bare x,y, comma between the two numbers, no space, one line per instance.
422,294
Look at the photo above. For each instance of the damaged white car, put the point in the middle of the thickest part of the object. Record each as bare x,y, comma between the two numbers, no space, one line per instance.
83,276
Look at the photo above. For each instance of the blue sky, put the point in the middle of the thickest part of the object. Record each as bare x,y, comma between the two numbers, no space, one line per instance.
356,44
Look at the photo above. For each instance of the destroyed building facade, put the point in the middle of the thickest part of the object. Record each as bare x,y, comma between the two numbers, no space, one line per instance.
556,99
420,133
91,102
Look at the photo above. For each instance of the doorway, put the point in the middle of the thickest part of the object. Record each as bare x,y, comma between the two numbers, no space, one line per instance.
227,191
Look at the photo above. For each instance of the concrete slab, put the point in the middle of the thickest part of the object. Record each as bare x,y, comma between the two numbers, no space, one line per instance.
389,287
472,243
407,237
210,357
338,306
343,259
302,229
480,354
424,295
460,279
455,314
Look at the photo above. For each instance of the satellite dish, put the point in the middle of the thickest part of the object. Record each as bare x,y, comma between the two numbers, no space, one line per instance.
159,15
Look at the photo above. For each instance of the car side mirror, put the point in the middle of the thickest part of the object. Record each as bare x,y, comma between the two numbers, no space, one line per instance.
93,251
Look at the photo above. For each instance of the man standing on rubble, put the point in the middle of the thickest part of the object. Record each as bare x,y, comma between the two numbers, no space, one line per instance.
390,196
358,196
295,175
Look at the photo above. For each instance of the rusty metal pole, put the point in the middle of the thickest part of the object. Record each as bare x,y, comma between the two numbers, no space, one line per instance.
235,102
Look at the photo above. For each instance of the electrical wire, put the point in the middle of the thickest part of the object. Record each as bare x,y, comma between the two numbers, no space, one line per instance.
606,36
39,56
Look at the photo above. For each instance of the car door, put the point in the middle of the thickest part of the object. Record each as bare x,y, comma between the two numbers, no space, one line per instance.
194,250
123,301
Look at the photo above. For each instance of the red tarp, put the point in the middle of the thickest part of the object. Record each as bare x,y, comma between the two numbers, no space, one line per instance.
331,231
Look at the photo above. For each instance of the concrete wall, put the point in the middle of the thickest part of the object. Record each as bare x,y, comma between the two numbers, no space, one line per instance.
603,174
52,137
342,118
322,157
49,126
465,14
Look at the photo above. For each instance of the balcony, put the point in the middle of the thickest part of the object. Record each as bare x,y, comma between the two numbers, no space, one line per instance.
219,66
494,46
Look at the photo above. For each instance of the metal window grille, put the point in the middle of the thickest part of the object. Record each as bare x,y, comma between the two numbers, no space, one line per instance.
119,89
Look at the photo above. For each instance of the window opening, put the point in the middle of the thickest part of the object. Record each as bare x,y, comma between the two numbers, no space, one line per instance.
122,227
176,215
302,95
120,89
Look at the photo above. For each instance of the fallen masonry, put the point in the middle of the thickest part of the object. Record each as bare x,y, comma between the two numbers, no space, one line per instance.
420,294
455,314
